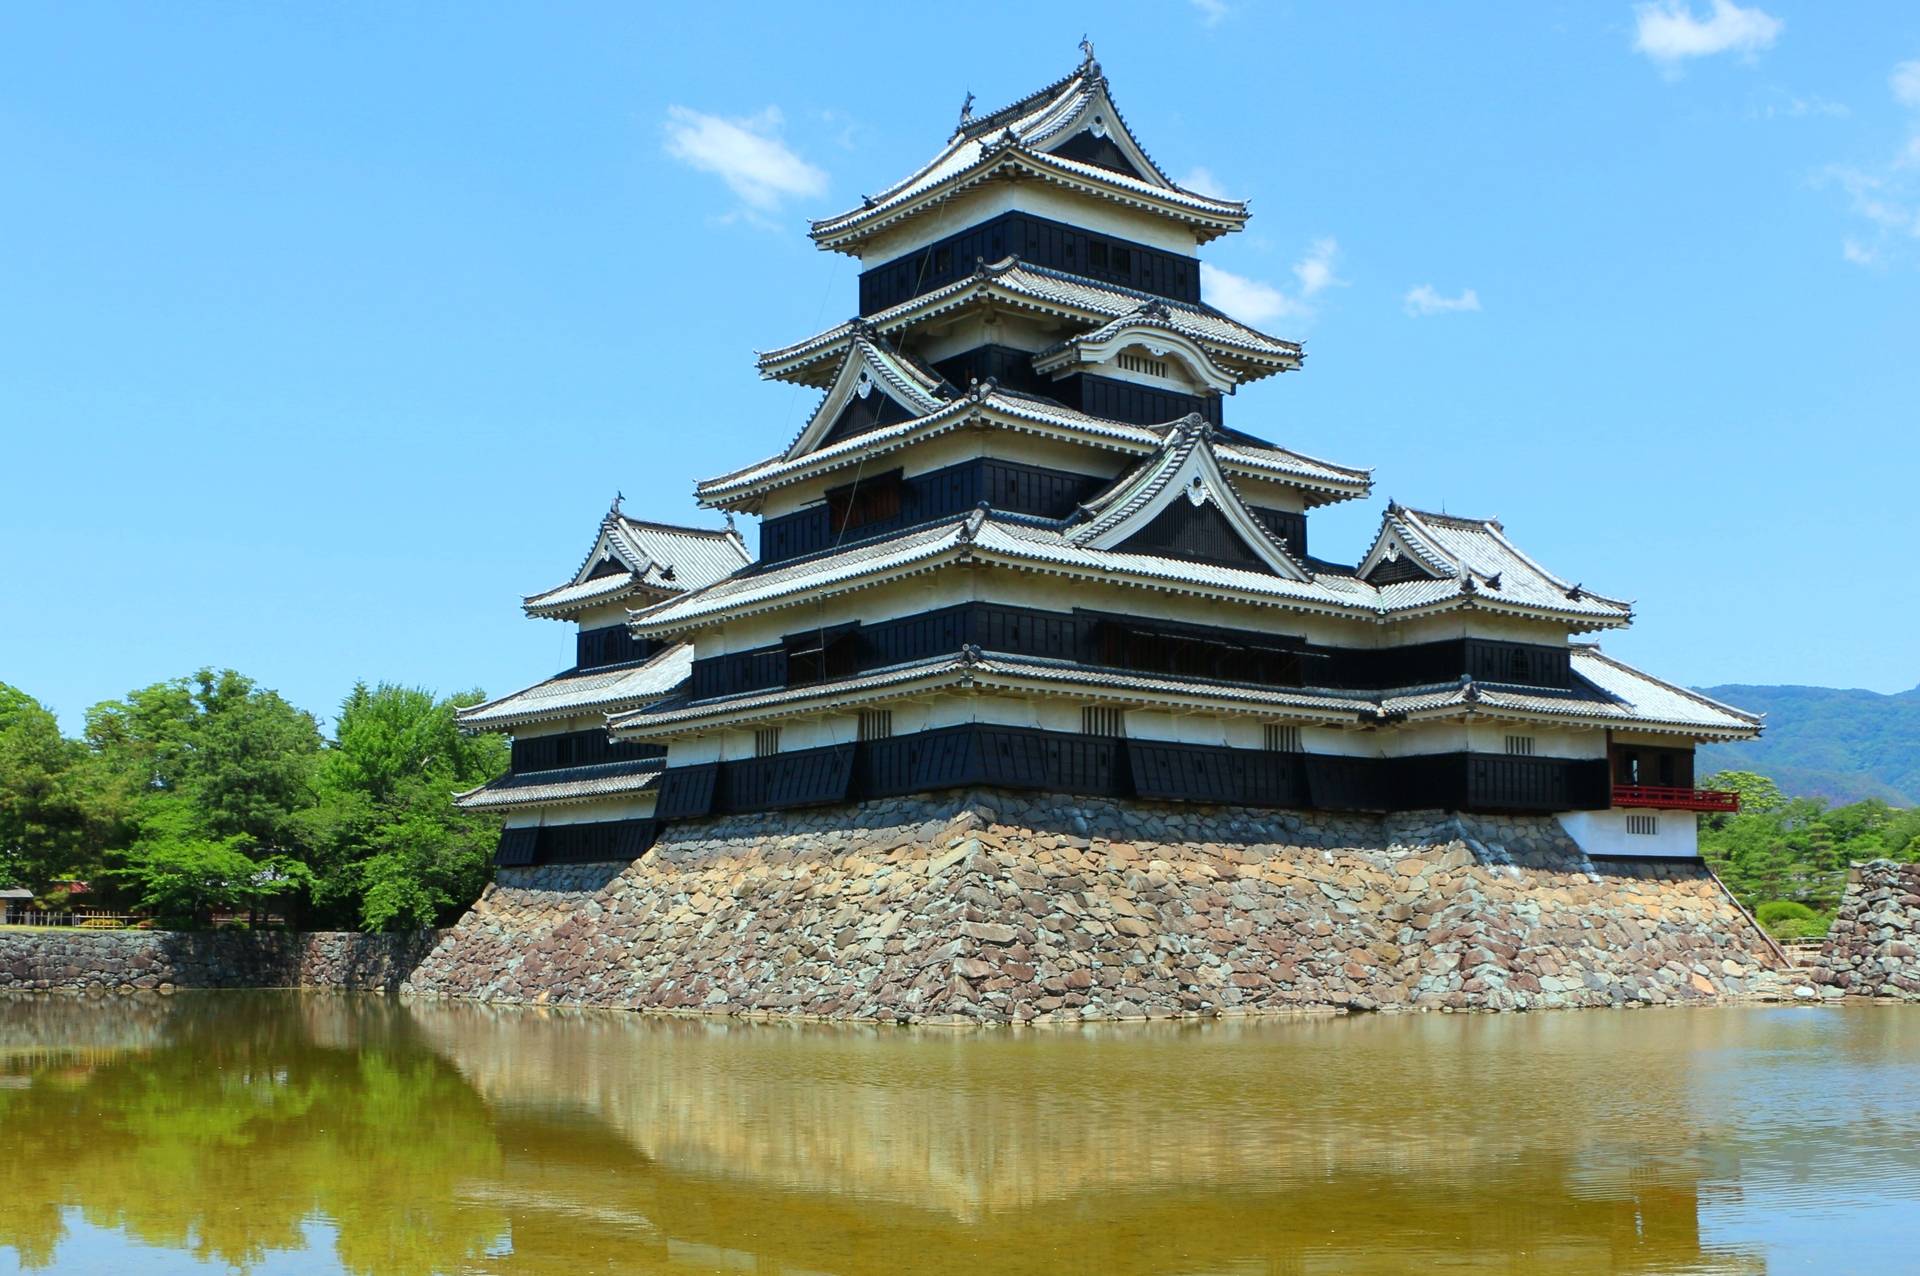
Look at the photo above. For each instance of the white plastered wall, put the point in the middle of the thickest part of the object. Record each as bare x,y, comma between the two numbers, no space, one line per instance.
1675,835
638,807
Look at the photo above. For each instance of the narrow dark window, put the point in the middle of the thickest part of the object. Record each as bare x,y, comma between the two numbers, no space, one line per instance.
766,742
876,724
942,262
1282,737
1123,261
1098,720
1096,253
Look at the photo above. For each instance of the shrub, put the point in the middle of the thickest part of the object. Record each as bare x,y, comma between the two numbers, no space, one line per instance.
1775,911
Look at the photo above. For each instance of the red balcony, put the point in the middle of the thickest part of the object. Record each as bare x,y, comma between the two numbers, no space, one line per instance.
1661,798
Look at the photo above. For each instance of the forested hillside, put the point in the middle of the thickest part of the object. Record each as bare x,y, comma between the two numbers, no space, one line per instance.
1822,742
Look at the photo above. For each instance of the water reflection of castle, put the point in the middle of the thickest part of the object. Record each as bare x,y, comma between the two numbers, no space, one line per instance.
425,1137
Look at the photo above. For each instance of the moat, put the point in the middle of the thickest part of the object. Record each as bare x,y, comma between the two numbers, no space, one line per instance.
285,1133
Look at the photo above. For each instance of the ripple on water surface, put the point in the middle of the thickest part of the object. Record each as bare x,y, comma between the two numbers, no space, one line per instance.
287,1133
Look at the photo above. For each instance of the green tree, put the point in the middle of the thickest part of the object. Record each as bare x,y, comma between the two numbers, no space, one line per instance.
219,771
50,830
393,852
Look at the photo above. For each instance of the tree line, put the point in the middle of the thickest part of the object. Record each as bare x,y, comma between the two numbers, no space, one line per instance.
210,793
1786,858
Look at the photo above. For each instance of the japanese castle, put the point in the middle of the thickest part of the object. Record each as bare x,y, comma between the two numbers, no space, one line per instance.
1020,544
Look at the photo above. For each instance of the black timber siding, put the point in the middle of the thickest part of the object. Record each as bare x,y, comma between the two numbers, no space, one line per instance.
611,645
924,498
577,748
1113,641
1197,533
1286,526
1116,400
1061,762
606,842
1037,241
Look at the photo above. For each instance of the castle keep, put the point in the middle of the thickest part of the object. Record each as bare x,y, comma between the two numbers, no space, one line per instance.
1021,559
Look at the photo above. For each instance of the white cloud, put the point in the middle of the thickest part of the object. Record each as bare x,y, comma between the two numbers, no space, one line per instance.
1906,82
1668,32
1315,270
1213,9
1853,250
1248,300
1425,301
745,154
1201,181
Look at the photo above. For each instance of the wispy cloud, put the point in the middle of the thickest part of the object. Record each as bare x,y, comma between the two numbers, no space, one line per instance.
1201,181
1248,300
1668,32
1425,301
1315,270
747,154
1212,10
1887,194
1906,83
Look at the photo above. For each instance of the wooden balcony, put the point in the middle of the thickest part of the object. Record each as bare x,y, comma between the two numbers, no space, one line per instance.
1662,798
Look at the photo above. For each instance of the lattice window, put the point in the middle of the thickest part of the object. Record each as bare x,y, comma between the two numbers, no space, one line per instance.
1099,720
1283,737
766,742
1644,825
1520,746
876,724
1137,363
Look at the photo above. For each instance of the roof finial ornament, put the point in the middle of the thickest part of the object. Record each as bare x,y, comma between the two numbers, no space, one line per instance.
731,529
617,498
1086,48
966,110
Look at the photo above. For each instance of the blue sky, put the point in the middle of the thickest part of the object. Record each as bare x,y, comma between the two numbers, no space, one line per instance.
327,331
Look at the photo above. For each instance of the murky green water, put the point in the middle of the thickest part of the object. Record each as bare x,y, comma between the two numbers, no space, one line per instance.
282,1133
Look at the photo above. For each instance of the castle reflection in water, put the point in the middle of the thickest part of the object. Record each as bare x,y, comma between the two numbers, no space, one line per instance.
431,1137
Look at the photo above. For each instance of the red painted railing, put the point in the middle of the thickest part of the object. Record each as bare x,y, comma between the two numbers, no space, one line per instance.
1661,798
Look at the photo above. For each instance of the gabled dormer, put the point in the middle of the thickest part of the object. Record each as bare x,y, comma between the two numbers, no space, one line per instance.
1178,504
1472,562
636,561
874,388
1143,347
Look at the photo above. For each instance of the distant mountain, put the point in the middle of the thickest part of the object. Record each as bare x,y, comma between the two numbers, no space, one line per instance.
1823,742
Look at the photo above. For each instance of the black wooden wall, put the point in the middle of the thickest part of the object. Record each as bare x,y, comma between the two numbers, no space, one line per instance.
578,748
1037,241
937,494
1129,642
1061,762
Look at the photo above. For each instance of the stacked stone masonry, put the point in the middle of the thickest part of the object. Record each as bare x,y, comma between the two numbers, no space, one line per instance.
998,907
35,960
1873,947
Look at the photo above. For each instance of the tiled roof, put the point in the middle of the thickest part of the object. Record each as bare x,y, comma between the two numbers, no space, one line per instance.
660,559
565,784
1018,136
1038,545
993,669
1011,284
1606,693
872,366
592,691
1473,556
991,405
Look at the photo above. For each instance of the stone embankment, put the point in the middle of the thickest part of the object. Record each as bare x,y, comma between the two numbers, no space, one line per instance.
36,960
997,907
1873,948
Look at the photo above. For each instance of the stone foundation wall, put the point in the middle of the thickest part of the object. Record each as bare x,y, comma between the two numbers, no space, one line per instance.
991,906
129,960
1873,949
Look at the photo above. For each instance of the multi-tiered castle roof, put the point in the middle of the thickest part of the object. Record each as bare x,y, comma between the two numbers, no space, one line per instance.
1018,543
